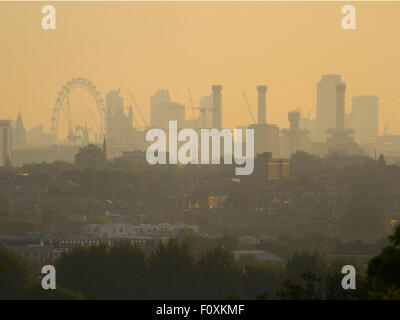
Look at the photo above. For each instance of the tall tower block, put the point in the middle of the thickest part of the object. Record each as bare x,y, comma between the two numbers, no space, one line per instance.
326,106
340,89
365,118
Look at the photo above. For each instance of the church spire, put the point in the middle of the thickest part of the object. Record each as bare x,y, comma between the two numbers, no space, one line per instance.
19,133
19,122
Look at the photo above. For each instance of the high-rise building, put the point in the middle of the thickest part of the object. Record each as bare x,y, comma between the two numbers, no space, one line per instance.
326,106
163,110
36,137
118,125
266,139
5,142
365,118
121,136
114,103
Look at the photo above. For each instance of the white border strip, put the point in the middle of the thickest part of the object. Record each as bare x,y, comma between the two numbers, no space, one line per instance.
343,1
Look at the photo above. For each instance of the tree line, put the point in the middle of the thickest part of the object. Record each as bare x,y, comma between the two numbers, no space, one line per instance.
173,271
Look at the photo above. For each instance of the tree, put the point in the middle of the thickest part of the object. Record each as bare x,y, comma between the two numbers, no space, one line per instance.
104,185
86,270
381,160
305,164
303,262
36,292
52,221
219,276
365,219
241,200
5,214
310,288
103,272
15,278
129,272
384,272
171,269
311,277
91,156
261,281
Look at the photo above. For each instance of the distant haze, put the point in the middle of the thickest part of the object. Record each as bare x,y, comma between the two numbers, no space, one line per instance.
176,46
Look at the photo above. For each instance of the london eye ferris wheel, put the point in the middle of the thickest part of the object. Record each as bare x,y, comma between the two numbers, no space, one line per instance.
62,114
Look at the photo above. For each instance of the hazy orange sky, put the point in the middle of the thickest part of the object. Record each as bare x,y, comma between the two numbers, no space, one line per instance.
176,46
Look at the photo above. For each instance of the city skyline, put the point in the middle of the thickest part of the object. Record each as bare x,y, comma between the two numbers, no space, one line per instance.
146,50
199,151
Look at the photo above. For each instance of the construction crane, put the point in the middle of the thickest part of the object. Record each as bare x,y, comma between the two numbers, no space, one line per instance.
202,110
246,101
137,108
192,108
135,119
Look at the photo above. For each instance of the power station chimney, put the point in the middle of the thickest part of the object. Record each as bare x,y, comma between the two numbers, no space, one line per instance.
217,107
262,104
340,89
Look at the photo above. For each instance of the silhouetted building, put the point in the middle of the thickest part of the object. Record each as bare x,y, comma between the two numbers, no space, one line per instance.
118,124
326,106
138,156
389,146
163,110
44,154
294,139
266,167
121,136
266,138
36,137
5,142
365,118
